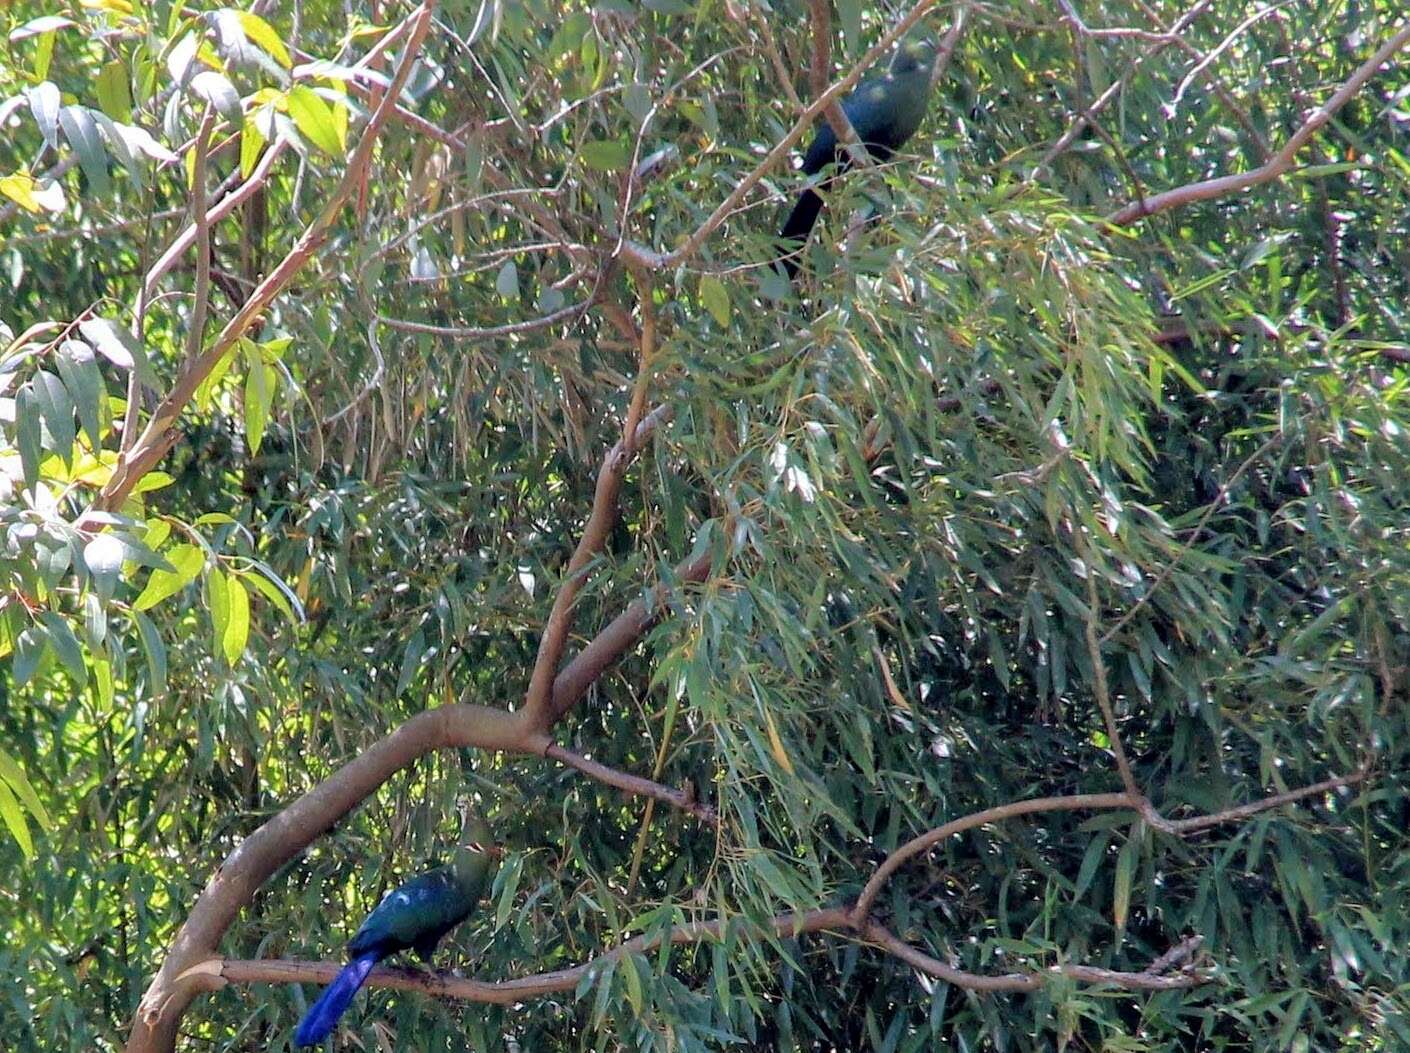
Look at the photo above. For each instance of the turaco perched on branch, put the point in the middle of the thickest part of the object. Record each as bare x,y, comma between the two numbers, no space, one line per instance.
414,916
884,111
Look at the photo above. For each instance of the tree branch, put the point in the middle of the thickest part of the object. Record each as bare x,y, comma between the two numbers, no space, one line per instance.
283,837
1279,163
635,784
156,438
820,64
538,702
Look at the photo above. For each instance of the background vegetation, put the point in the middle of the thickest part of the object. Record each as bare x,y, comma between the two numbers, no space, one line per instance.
998,463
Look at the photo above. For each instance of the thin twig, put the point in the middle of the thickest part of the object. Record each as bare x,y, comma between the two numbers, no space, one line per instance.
1101,689
652,260
1280,163
635,784
201,222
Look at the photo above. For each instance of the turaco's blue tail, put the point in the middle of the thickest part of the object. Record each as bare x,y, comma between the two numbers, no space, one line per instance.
322,1017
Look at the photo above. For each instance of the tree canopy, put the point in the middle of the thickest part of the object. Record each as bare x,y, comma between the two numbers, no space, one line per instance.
995,639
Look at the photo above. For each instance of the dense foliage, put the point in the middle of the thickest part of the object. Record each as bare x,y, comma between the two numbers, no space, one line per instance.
989,436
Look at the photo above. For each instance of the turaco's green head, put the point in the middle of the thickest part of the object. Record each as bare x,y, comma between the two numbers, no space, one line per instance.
913,55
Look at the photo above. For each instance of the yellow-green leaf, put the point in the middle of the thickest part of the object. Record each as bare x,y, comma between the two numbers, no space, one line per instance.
237,625
606,155
186,560
13,774
715,297
14,819
263,34
314,119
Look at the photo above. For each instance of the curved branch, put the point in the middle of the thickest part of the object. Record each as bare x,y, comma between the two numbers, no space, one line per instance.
539,702
291,831
1279,163
924,842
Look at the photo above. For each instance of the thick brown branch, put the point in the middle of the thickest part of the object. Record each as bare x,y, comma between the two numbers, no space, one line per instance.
819,66
1280,163
538,703
292,830
620,635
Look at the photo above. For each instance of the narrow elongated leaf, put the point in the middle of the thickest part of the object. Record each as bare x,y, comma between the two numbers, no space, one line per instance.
29,651
218,601
14,819
43,24
56,408
12,773
220,93
66,645
154,649
114,92
119,347
262,33
79,370
44,103
81,130
186,562
237,626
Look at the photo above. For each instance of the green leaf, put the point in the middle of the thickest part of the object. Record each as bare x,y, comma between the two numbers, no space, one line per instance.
606,155
114,92
27,436
508,882
237,625
37,26
81,376
56,409
259,395
1125,872
12,773
506,282
155,651
66,645
14,819
119,347
29,651
251,145
82,133
186,562
217,90
715,297
218,602
410,661
314,119
262,33
277,592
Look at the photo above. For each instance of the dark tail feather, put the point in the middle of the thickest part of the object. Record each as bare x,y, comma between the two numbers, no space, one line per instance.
322,1017
797,227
